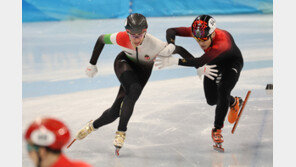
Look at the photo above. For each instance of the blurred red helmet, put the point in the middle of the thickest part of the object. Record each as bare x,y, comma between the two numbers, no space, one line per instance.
48,132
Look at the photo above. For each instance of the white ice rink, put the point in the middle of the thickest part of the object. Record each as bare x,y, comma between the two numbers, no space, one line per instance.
171,124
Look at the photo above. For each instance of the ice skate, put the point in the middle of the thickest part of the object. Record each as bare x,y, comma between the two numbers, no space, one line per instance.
87,129
218,139
118,141
82,133
234,109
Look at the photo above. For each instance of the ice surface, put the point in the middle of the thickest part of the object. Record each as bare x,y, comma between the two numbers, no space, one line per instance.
171,123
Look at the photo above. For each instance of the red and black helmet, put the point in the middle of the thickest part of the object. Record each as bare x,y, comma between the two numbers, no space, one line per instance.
203,26
48,132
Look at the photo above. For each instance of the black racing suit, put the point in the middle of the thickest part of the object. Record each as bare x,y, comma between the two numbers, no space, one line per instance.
132,77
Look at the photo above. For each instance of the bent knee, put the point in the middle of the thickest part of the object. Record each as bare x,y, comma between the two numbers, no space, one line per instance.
135,91
211,102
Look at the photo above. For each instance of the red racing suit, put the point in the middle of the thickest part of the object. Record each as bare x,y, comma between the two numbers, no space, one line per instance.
222,52
63,161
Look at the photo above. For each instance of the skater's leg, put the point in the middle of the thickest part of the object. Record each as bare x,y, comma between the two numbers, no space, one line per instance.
133,82
133,88
234,72
225,86
112,113
210,90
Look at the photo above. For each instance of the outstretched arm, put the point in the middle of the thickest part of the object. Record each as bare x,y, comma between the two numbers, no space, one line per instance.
97,50
191,61
92,69
183,53
207,70
171,33
188,60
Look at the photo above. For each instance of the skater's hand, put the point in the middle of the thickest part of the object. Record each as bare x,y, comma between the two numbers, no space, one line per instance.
91,70
207,70
168,50
164,61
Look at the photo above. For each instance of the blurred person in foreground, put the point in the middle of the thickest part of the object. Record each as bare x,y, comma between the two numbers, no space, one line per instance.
45,139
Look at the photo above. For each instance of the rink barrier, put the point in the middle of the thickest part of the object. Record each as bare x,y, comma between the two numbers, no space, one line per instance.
59,10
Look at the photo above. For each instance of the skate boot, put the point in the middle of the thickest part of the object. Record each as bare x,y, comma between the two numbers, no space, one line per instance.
87,129
118,141
234,109
218,139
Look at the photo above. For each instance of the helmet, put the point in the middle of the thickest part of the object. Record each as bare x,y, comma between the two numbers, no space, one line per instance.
203,26
136,23
48,132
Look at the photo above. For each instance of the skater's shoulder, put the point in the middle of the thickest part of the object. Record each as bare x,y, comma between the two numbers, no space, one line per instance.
221,33
122,39
150,36
219,30
66,162
80,164
152,39
222,37
122,35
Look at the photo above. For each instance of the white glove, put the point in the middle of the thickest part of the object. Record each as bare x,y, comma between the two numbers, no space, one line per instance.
168,50
91,70
208,71
164,61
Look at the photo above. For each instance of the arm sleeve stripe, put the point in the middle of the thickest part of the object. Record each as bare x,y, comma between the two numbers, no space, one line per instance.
107,39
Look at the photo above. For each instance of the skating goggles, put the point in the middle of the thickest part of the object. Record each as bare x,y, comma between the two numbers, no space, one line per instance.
202,39
31,147
137,35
